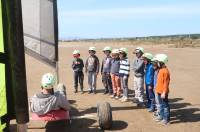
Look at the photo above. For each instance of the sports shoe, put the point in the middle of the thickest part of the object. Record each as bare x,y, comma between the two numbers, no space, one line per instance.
125,99
164,122
90,92
157,119
117,97
112,96
75,91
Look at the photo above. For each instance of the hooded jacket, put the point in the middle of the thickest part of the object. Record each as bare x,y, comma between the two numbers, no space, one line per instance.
44,103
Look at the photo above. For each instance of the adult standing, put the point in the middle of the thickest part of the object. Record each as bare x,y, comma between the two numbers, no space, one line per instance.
138,68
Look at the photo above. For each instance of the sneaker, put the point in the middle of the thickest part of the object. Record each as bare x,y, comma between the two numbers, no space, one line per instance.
82,92
122,98
157,119
164,122
150,109
140,104
117,97
105,92
75,91
112,96
90,92
125,99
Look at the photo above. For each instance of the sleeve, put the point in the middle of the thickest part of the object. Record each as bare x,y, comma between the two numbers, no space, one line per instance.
73,65
86,65
82,63
102,66
98,65
152,75
166,79
64,103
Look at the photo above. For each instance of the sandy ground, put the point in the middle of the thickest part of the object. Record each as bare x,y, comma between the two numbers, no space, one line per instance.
184,65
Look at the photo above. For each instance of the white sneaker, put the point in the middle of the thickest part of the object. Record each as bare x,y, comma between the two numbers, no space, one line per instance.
125,99
117,97
112,96
122,98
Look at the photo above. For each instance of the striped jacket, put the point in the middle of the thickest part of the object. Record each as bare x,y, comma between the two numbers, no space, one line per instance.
124,67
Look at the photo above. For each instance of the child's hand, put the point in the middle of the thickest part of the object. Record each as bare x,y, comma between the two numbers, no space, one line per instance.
163,95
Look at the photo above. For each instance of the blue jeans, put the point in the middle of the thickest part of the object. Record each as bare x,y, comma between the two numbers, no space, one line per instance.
150,95
164,110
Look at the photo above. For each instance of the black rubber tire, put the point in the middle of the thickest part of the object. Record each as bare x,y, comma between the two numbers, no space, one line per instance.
104,114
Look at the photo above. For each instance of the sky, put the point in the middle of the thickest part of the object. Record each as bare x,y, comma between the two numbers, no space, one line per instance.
127,18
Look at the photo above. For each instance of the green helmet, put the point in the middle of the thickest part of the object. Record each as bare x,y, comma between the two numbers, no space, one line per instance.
107,48
92,48
125,50
148,56
162,58
139,49
48,81
76,52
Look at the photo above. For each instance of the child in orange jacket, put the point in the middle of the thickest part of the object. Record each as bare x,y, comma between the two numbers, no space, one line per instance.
162,89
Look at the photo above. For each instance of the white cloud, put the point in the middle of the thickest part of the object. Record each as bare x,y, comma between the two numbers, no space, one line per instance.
135,11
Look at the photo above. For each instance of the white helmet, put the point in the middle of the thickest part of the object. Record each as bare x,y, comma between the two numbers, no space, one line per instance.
115,51
139,49
76,52
148,56
162,58
107,48
92,48
48,81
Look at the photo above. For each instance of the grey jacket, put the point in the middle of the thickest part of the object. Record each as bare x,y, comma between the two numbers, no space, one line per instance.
115,65
138,67
44,103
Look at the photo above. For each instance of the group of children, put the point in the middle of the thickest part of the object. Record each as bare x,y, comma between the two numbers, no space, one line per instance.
149,71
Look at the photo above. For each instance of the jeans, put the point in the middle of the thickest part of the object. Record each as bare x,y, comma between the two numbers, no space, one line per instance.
150,95
107,82
164,110
124,85
92,80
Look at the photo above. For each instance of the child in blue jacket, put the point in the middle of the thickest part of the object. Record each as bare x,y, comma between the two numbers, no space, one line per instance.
149,81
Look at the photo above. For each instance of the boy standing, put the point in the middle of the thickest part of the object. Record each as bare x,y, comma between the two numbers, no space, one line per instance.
115,64
138,68
124,72
105,70
149,79
77,66
92,69
162,88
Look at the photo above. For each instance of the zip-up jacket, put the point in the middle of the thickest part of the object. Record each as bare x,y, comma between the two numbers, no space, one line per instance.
138,67
149,74
92,64
115,64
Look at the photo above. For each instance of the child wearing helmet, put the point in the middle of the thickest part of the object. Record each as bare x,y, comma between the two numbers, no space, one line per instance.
149,81
105,70
162,88
48,100
114,71
124,72
77,66
92,69
138,68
